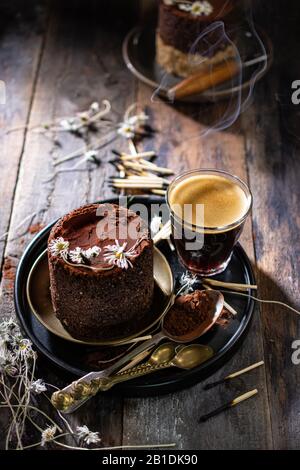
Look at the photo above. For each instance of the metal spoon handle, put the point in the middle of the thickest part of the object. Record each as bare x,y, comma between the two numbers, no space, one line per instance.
107,382
75,394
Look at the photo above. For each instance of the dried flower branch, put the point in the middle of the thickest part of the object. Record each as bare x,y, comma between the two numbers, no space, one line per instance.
19,389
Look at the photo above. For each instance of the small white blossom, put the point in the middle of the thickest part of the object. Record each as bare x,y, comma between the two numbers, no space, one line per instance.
76,255
197,8
130,126
70,125
23,348
38,386
87,436
117,255
91,155
126,130
207,8
48,434
95,107
92,252
138,119
155,224
59,247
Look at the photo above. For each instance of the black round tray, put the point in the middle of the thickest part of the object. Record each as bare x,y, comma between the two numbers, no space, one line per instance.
73,358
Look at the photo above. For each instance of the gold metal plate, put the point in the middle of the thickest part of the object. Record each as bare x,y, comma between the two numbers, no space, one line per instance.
38,296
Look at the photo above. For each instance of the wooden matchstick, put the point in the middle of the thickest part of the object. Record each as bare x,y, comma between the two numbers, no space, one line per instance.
228,405
229,285
142,166
149,154
226,304
136,185
164,233
233,375
147,178
158,192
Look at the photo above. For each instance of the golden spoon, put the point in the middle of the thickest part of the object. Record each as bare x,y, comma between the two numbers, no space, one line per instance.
78,392
187,357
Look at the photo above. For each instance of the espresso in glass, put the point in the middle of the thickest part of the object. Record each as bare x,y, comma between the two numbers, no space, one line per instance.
208,210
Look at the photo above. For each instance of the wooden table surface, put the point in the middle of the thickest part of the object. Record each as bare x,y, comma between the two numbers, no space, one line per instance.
56,61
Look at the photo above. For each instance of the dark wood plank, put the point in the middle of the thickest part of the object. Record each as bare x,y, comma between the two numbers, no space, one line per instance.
272,133
81,63
174,418
18,69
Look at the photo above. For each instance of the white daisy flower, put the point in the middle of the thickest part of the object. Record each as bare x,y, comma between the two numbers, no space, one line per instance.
69,125
48,434
207,8
95,107
197,8
117,255
23,348
92,252
59,247
155,224
89,437
38,386
91,155
138,119
76,255
126,130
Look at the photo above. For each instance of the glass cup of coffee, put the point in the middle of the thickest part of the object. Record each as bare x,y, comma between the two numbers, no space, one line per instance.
208,210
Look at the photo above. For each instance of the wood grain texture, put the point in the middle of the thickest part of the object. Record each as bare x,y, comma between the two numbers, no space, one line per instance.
171,418
273,161
77,60
74,72
18,71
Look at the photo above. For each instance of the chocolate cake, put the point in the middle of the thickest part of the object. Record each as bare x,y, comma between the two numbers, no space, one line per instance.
181,24
101,271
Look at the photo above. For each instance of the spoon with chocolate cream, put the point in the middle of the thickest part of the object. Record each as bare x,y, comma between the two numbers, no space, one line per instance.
188,317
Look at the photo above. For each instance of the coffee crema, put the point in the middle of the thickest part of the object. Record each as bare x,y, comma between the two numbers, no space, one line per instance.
224,201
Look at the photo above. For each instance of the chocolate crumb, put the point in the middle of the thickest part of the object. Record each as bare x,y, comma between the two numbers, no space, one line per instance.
188,312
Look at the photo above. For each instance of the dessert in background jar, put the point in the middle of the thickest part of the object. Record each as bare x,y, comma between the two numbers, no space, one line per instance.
182,23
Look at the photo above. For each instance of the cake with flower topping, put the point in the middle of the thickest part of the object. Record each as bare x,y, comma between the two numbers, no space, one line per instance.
190,35
101,271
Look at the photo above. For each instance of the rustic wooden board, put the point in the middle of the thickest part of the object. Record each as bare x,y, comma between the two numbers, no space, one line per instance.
274,166
76,60
171,418
19,72
75,71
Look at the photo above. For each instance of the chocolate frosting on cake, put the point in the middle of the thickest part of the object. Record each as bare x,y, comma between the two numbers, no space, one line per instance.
97,303
180,29
100,225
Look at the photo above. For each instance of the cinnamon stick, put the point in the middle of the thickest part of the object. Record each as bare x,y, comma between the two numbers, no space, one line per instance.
203,80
